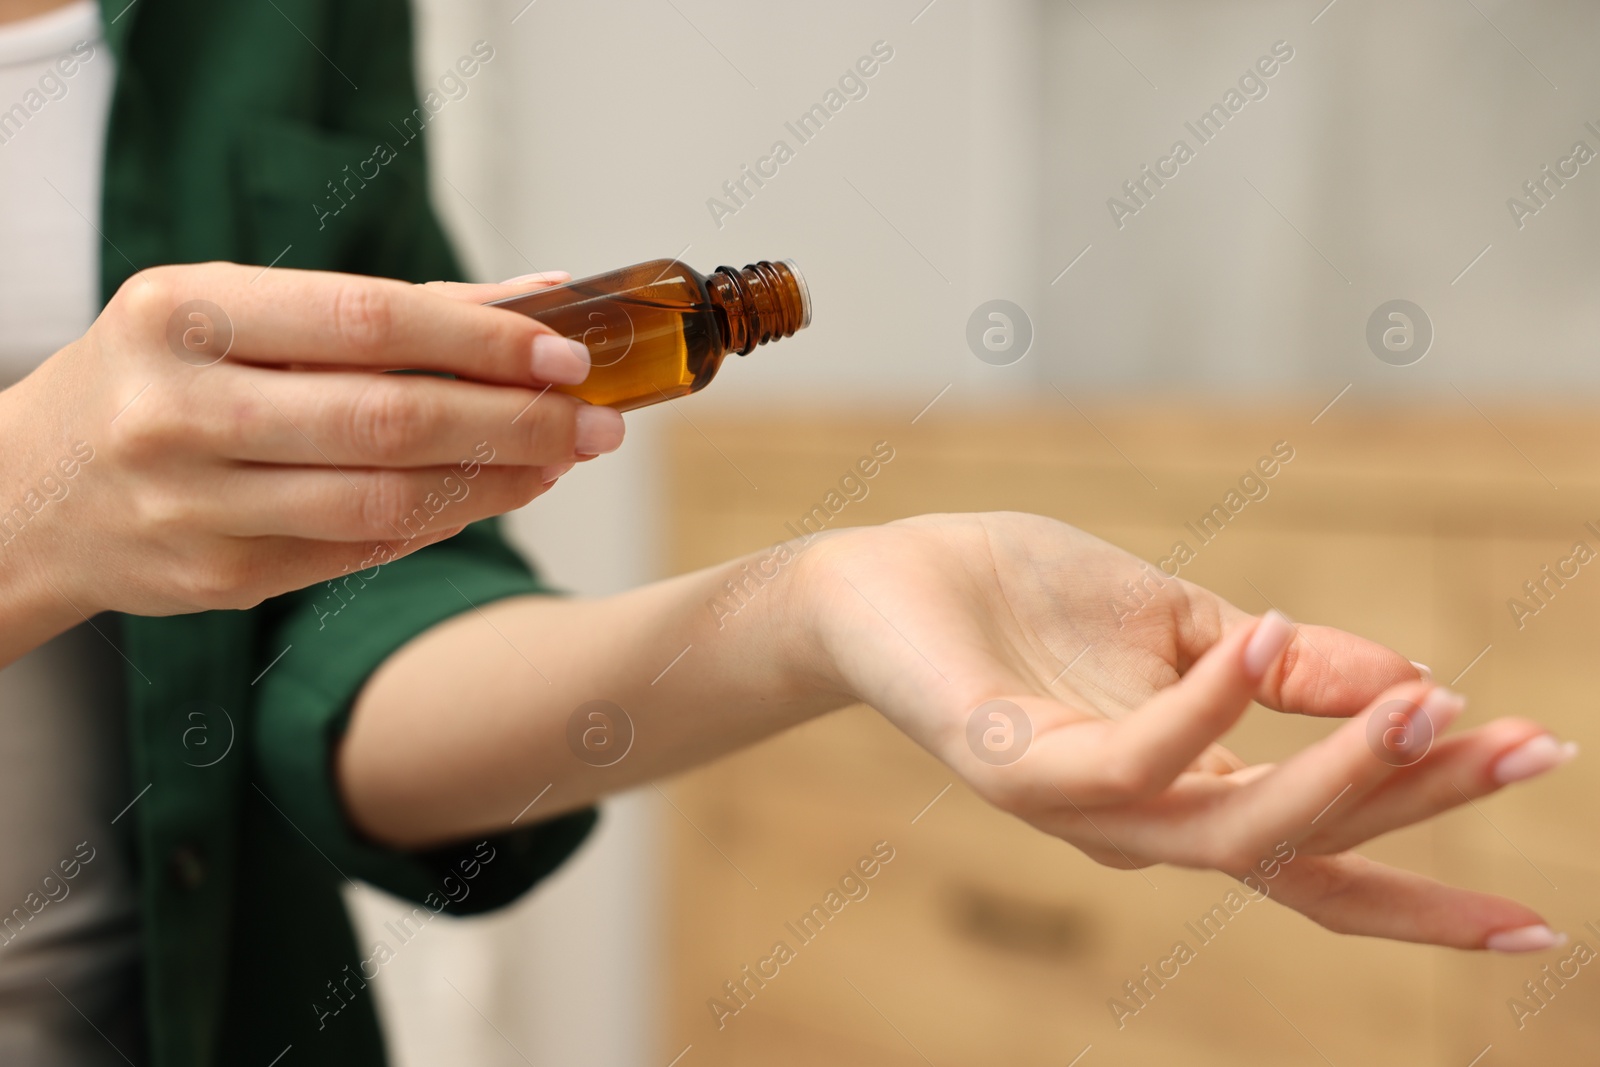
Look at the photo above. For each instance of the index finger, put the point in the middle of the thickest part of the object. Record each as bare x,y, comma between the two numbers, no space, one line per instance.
347,320
1325,672
1329,672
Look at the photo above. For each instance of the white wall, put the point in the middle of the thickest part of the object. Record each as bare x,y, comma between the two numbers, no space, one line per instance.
1391,142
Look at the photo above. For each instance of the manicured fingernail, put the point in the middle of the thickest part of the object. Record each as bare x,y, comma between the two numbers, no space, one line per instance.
1533,757
1272,636
600,431
1424,670
552,473
1525,939
556,276
559,361
1443,708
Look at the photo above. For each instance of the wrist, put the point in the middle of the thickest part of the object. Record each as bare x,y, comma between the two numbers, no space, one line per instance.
31,611
798,614
36,602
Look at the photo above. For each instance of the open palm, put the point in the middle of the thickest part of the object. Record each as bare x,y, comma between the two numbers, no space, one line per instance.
1082,690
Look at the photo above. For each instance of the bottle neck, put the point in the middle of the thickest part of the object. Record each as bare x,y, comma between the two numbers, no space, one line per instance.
761,303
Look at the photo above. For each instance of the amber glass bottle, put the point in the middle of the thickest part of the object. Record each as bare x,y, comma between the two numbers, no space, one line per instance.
661,330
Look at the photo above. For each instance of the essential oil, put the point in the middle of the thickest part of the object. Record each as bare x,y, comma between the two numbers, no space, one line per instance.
660,330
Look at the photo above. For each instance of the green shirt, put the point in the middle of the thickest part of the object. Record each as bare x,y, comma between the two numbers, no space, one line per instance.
230,127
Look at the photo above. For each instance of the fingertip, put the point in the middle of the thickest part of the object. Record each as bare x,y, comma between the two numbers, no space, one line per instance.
559,360
1531,758
600,430
1442,707
545,277
1535,938
1270,639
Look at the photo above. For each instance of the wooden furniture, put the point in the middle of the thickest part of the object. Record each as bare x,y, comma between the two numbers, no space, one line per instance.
985,942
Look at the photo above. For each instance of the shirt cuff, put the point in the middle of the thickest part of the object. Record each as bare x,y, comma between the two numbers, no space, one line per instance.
331,638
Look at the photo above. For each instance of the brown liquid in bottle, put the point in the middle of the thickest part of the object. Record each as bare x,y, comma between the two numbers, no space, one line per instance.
660,330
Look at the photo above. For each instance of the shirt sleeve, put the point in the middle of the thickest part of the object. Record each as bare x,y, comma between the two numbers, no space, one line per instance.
331,638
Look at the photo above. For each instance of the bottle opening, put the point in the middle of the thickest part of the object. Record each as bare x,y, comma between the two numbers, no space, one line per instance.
805,290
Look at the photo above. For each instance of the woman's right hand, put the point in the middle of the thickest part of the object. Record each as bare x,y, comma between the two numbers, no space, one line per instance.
224,434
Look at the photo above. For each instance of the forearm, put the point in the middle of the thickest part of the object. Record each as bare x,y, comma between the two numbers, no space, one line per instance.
462,728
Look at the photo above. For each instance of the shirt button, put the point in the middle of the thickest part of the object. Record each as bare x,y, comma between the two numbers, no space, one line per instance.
186,865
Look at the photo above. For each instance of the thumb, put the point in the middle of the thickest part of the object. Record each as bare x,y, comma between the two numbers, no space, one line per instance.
483,292
1140,755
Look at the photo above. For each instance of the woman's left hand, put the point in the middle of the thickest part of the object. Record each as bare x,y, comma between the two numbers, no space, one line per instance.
1083,690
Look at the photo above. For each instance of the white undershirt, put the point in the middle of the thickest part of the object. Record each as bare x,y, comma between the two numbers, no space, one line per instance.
63,747
52,149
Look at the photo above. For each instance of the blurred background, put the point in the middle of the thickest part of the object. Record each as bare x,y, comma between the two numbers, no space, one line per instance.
1158,338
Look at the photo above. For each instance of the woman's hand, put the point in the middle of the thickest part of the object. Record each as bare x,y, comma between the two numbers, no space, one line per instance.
223,434
1083,691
